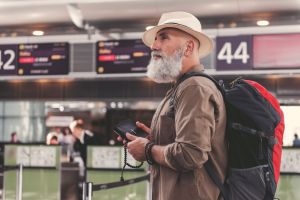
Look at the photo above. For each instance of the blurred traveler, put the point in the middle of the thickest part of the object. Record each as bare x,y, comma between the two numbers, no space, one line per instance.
68,138
55,132
14,138
296,141
185,137
83,138
53,140
59,134
99,128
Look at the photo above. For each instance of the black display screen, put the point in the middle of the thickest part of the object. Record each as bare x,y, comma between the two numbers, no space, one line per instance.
8,59
43,59
122,56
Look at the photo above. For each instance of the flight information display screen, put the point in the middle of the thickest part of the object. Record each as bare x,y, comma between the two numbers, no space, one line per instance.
276,51
122,56
43,59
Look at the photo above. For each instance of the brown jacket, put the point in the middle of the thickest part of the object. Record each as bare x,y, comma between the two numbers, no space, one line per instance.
197,131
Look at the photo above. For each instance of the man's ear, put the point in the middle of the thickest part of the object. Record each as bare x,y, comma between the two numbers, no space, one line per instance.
189,48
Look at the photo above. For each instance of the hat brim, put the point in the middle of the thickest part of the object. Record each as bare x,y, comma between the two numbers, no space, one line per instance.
206,44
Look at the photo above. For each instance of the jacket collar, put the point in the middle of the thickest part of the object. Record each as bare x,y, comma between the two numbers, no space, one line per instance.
196,68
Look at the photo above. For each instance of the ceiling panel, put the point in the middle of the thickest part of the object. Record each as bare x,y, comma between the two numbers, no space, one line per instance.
135,15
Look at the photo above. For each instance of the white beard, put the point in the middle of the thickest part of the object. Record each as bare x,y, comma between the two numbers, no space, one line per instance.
166,69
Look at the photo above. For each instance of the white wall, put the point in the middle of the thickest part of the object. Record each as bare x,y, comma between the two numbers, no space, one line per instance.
292,123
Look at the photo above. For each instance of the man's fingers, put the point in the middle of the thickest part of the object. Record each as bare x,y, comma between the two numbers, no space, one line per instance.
119,138
130,136
143,126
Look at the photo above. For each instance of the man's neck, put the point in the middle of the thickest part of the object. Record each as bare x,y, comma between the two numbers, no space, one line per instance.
189,63
186,68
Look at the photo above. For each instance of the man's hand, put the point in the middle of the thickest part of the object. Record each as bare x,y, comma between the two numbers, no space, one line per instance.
136,146
144,128
141,126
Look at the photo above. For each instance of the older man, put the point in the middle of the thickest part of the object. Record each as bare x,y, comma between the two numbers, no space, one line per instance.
182,142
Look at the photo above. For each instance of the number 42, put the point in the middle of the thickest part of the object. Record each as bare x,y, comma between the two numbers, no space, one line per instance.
239,54
8,64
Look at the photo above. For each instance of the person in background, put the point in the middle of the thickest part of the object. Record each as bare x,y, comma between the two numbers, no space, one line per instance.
68,138
296,141
56,131
59,135
14,138
182,139
83,138
54,140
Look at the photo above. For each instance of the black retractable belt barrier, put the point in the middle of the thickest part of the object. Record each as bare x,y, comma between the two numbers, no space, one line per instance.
90,187
8,168
106,186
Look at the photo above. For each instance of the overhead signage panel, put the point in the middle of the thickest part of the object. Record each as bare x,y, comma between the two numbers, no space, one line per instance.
234,53
43,59
122,56
8,59
276,51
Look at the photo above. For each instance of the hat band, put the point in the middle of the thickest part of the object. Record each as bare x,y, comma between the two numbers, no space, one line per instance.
180,25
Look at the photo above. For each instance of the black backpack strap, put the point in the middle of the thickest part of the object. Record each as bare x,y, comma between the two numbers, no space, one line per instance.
185,76
212,174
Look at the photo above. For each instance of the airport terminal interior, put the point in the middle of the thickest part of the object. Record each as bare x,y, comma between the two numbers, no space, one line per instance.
69,60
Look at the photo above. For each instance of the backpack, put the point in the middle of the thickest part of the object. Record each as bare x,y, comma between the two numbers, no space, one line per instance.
255,126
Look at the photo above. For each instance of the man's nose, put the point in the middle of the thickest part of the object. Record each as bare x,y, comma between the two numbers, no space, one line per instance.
155,45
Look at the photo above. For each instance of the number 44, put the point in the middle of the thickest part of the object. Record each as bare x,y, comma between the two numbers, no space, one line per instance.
239,54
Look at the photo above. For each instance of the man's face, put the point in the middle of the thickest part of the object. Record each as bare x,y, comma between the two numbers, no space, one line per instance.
167,54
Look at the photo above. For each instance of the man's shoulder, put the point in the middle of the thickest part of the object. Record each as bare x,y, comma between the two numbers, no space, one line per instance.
201,87
198,82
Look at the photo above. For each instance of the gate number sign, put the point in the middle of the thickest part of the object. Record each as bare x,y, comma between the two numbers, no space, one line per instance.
8,59
234,53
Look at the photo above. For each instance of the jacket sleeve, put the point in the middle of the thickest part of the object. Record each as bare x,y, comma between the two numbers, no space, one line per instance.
195,109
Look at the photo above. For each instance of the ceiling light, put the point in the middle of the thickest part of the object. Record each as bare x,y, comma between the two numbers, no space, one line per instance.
61,108
262,23
37,33
120,105
113,105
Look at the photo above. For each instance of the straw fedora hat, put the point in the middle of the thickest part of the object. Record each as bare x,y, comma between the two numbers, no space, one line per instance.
185,22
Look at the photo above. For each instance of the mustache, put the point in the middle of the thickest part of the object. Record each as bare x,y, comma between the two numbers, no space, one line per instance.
157,53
